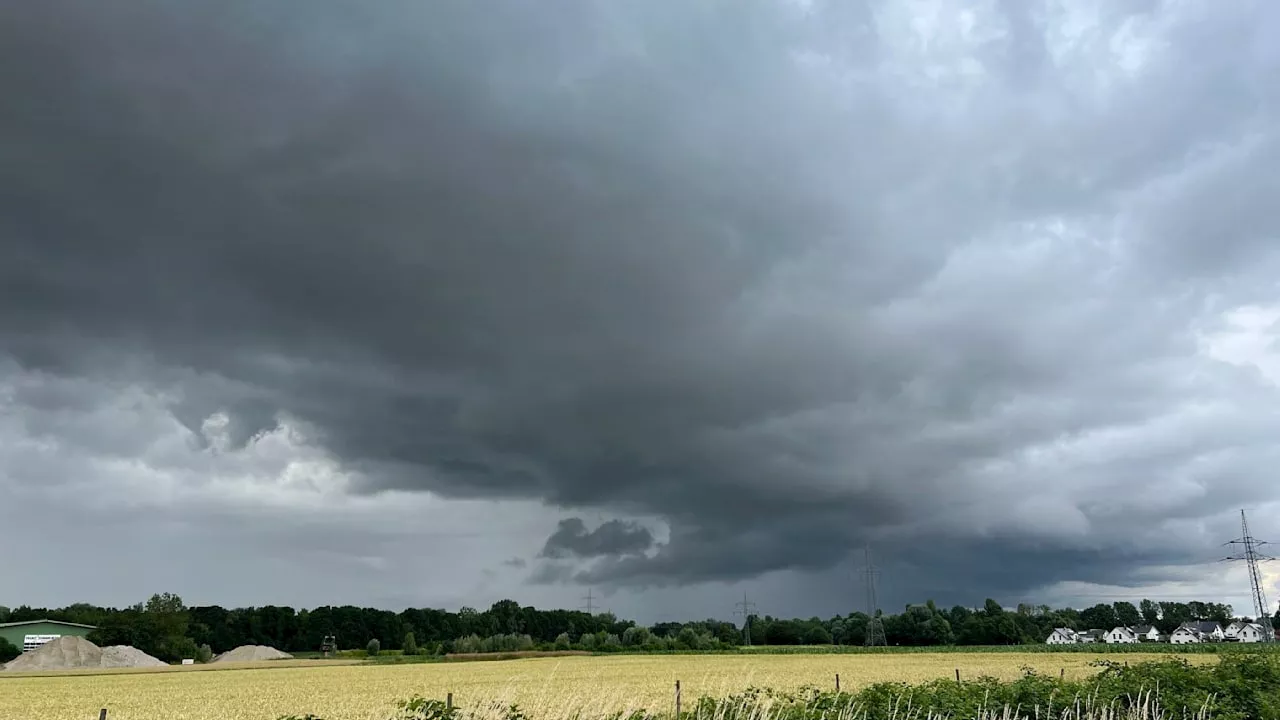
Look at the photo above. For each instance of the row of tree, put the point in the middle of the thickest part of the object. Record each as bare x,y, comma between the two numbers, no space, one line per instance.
166,628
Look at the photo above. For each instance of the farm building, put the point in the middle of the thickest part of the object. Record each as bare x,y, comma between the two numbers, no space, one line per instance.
31,634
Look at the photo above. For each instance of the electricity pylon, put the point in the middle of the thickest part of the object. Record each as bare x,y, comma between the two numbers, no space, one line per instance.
1250,555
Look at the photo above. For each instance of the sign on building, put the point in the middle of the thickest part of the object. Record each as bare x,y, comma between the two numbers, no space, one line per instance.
31,642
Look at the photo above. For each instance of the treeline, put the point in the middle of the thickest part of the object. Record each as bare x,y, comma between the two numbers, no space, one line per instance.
165,627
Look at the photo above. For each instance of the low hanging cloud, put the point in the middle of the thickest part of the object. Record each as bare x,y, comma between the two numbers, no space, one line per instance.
791,278
610,539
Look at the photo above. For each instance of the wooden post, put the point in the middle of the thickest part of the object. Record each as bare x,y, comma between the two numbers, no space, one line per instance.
1062,673
103,714
837,682
448,701
677,700
957,674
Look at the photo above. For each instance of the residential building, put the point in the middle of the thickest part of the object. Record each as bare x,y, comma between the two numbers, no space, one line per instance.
1092,636
1250,633
1062,636
1146,633
1121,635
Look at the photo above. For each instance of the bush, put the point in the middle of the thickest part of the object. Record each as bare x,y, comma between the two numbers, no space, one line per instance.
204,654
563,642
410,644
373,648
8,650
472,644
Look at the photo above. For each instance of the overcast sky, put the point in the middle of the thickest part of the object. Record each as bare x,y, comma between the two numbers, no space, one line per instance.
408,303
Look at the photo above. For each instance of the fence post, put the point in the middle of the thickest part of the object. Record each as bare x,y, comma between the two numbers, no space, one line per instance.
103,714
957,674
837,682
677,700
1062,673
448,701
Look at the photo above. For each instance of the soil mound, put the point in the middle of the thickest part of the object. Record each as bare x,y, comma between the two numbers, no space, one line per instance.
68,652
126,656
252,653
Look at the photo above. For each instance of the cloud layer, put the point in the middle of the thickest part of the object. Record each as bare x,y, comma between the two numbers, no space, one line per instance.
779,279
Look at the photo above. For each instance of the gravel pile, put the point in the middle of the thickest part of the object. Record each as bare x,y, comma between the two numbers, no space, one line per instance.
126,656
70,652
252,653
65,653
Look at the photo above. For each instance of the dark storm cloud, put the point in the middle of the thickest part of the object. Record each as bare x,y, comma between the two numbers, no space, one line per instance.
715,263
611,538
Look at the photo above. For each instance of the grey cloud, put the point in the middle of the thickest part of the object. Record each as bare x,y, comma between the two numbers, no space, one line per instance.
610,539
746,269
516,562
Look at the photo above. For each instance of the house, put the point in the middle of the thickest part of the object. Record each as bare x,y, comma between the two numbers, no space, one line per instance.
1092,636
1121,635
1200,631
1232,630
1250,633
1146,633
1209,630
1062,636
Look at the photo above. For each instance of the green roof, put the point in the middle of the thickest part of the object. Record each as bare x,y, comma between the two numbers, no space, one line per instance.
51,622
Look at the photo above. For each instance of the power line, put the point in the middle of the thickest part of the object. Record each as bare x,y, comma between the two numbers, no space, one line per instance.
1250,555
748,609
875,628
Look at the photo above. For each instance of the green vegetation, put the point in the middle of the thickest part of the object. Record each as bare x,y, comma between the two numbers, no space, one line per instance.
166,628
8,650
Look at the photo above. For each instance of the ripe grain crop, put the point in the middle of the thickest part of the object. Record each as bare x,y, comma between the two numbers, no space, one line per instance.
544,687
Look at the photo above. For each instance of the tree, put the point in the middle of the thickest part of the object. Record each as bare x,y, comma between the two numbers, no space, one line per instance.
839,631
204,654
373,648
8,651
817,635
1150,611
1100,616
410,644
1126,614
5,613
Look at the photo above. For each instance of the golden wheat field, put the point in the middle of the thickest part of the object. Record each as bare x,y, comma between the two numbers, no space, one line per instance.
545,687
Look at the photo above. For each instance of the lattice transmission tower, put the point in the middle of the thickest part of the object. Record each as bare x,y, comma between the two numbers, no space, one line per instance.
875,627
746,610
1249,545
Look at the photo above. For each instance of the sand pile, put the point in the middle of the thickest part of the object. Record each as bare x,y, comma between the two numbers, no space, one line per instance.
252,653
126,656
75,653
65,653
